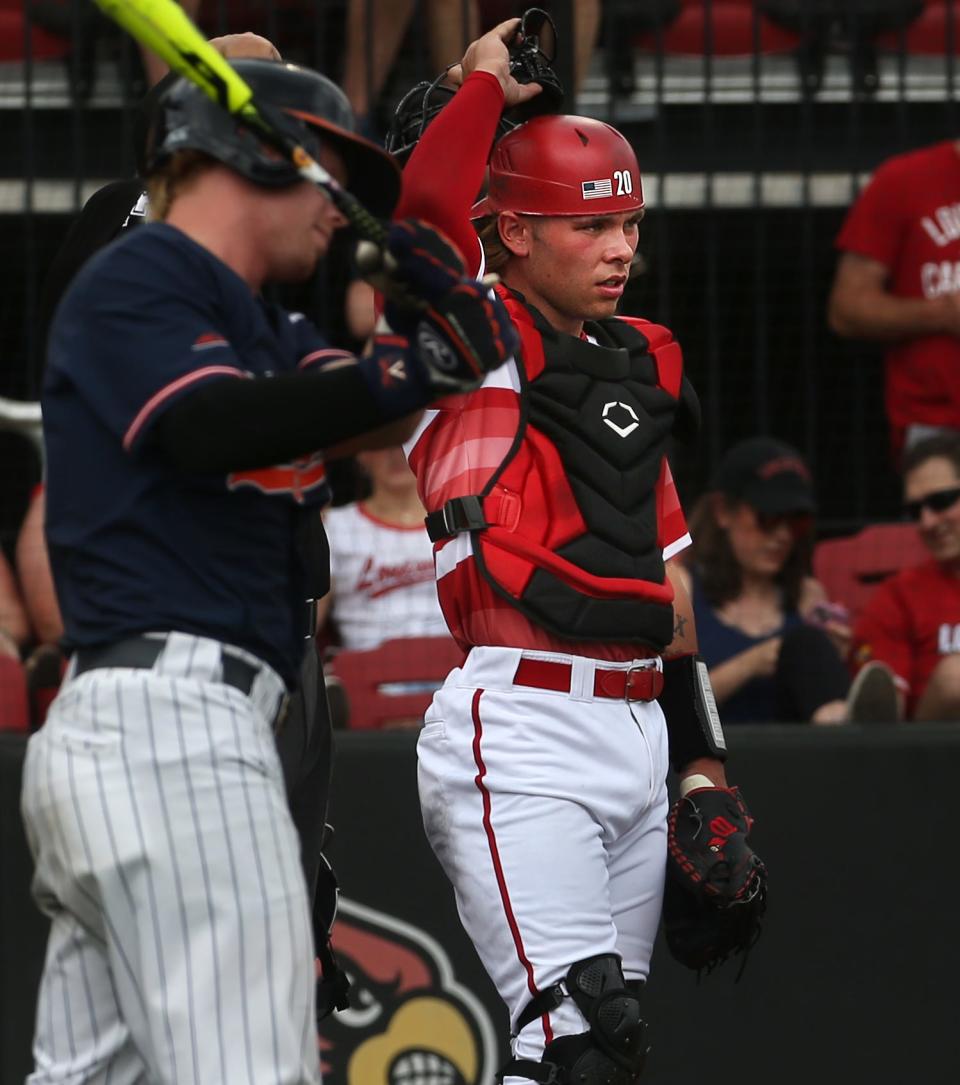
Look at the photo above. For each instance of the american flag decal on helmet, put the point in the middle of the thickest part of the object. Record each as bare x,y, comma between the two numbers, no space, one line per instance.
596,190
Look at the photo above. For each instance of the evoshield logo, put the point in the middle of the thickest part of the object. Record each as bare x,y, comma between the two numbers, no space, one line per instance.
622,411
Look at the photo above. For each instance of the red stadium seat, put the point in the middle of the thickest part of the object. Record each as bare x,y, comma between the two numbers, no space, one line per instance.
851,568
393,684
731,31
13,44
929,33
14,702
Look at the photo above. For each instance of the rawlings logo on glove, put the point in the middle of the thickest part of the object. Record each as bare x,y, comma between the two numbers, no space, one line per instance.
716,888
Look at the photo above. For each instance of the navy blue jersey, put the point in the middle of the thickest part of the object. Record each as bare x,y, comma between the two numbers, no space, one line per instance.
135,544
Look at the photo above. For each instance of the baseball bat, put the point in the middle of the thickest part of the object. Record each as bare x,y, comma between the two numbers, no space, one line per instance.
164,27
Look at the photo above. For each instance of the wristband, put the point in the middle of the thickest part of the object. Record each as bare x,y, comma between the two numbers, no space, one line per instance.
693,724
693,782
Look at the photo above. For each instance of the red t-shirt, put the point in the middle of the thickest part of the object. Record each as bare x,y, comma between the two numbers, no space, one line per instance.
908,219
910,623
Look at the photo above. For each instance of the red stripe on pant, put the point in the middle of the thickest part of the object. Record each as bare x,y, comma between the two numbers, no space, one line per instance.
495,859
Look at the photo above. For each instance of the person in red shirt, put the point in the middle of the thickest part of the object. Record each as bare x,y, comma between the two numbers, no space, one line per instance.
543,758
912,622
898,283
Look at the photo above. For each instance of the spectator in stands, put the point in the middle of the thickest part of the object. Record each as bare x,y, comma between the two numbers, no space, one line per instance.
375,31
853,23
451,24
898,283
581,39
772,642
911,624
381,560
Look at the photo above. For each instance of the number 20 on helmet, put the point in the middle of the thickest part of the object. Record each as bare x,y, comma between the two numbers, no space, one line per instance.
562,165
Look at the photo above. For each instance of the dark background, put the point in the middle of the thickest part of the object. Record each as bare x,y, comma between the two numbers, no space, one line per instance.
743,287
853,980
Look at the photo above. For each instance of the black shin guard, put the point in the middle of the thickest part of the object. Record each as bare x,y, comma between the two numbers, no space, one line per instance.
613,1051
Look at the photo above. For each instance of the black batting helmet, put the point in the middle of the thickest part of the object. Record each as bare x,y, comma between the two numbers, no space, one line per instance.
317,111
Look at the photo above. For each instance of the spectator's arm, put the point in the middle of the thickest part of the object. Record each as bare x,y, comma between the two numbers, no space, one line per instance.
36,579
14,623
816,607
862,307
734,673
727,677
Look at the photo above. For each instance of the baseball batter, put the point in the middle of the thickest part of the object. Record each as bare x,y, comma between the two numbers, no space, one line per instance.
183,418
543,759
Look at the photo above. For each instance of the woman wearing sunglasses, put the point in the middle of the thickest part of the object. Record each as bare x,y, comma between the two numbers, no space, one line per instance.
911,624
774,644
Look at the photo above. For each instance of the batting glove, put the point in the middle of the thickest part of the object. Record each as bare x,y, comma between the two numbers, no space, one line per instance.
415,269
454,343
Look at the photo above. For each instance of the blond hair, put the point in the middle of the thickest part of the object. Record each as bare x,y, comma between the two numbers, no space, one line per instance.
174,177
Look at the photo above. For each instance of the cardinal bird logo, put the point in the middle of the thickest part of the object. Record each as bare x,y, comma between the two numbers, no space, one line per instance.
410,1022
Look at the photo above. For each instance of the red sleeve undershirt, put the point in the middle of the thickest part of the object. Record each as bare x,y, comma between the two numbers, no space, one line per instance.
445,173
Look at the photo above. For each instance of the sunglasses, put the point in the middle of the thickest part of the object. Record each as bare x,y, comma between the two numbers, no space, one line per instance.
938,501
800,523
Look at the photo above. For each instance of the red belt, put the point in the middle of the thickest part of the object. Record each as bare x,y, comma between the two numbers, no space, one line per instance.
644,684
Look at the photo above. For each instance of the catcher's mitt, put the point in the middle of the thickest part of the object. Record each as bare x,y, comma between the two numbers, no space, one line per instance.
716,887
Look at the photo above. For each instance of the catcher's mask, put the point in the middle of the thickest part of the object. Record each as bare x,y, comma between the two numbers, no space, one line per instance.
316,111
562,165
531,58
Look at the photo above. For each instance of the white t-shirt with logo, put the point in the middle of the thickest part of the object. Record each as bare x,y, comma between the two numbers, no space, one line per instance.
382,579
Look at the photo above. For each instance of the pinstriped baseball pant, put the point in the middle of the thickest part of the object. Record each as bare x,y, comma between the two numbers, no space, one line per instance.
180,948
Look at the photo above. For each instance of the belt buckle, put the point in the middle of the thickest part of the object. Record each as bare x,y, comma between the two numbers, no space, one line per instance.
628,682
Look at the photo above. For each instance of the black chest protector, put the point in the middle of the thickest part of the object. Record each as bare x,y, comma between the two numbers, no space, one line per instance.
568,525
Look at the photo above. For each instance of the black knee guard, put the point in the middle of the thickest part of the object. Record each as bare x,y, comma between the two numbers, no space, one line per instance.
614,1049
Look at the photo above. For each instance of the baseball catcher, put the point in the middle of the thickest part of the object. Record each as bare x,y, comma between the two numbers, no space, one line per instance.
543,759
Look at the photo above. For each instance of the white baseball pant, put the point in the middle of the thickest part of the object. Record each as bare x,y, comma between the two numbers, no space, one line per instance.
548,812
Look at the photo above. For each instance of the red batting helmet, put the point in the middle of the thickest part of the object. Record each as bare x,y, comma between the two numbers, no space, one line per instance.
562,165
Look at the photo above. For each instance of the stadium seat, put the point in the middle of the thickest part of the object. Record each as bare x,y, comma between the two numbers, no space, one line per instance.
13,44
850,568
720,28
930,32
14,702
393,684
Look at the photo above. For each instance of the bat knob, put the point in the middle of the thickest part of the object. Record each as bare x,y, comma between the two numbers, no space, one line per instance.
369,257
